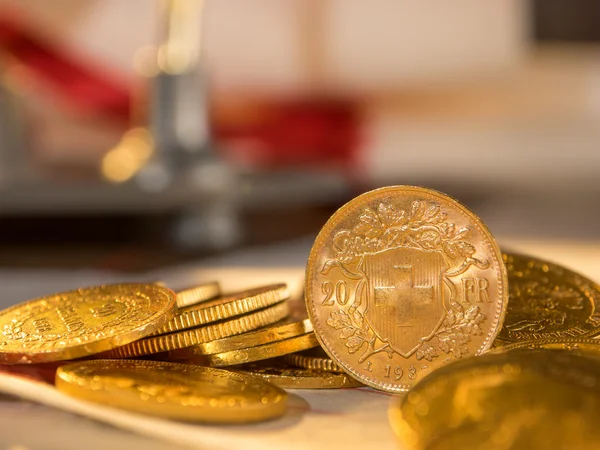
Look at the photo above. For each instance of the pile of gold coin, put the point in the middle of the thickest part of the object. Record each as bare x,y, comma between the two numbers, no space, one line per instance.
406,290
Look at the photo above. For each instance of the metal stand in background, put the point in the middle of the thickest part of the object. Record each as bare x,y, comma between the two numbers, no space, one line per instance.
171,165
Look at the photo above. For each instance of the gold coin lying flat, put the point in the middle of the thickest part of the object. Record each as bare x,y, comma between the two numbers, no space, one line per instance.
266,351
198,294
514,400
548,301
295,378
173,391
402,280
285,329
313,359
80,323
225,307
194,336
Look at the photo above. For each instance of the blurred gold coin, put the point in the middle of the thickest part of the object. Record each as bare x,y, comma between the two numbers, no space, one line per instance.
547,301
230,305
285,329
266,351
174,391
402,280
519,400
194,336
83,322
313,359
296,378
198,294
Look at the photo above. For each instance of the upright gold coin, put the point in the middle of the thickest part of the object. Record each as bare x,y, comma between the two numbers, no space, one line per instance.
266,351
514,400
198,294
194,336
174,391
295,378
313,359
80,323
547,301
225,307
402,280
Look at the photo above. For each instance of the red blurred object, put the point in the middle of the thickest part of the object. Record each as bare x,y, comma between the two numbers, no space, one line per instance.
88,89
309,133
295,133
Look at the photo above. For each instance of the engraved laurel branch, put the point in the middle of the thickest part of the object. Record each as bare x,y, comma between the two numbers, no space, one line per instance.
423,227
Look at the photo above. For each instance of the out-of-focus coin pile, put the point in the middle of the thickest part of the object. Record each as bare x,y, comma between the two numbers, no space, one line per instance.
406,291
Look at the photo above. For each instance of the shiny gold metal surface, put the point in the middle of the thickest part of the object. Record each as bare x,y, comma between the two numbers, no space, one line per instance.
402,280
230,305
285,329
576,345
295,378
194,336
313,359
266,351
83,322
174,391
547,301
198,294
519,400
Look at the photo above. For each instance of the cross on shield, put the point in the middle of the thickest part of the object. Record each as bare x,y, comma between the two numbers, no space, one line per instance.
405,301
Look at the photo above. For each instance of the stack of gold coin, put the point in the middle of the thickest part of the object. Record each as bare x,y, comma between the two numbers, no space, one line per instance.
405,290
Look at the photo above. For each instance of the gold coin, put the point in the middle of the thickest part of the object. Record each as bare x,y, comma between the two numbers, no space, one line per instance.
198,294
520,400
80,323
402,280
225,307
295,378
194,336
546,300
174,391
313,359
266,351
278,331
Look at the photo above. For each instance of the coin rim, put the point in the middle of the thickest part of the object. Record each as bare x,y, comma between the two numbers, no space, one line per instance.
321,242
339,380
193,336
233,305
265,351
228,344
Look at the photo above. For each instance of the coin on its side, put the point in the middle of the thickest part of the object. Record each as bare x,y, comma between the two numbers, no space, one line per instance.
313,359
548,301
174,391
194,336
279,331
83,322
225,307
198,294
509,400
296,378
262,352
402,280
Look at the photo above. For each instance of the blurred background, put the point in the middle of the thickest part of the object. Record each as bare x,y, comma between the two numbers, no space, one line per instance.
142,133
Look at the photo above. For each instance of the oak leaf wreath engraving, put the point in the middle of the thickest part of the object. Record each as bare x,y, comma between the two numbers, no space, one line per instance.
424,227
